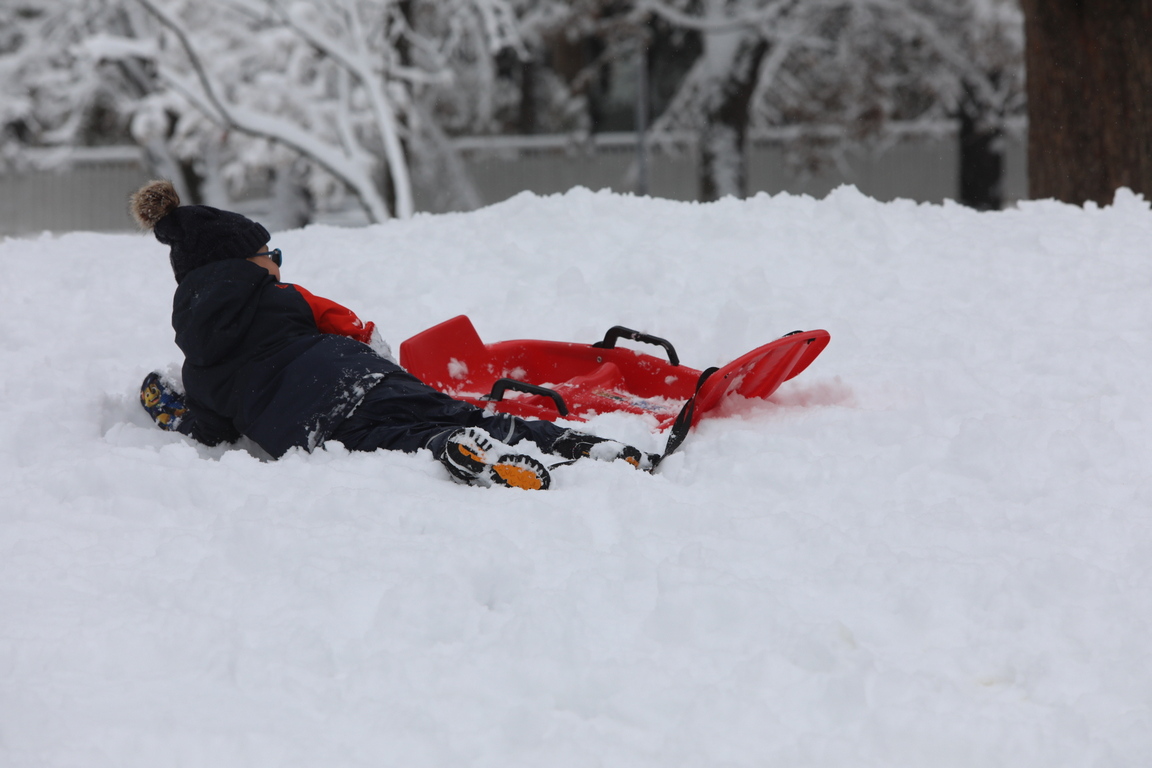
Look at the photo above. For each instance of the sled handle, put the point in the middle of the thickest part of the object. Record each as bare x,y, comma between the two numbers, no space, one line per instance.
684,419
503,385
619,331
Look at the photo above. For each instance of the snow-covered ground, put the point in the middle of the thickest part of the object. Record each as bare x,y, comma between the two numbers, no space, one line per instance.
933,548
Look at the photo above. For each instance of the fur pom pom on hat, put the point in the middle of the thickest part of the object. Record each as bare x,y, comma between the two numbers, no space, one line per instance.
152,202
195,234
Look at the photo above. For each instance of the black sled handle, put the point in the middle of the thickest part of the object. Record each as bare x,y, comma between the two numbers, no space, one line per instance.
619,331
683,423
503,385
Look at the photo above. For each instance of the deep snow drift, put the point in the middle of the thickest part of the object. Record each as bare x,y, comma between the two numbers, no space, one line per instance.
933,548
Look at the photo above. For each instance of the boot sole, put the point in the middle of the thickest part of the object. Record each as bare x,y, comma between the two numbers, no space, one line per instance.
519,471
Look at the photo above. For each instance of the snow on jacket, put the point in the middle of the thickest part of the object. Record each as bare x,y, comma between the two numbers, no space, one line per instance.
267,359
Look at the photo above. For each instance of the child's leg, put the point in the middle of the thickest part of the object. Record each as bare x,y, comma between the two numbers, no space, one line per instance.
173,412
404,414
401,414
508,429
559,441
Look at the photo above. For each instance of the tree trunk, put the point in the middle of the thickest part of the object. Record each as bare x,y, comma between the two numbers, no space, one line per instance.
1089,68
981,163
723,155
526,118
293,206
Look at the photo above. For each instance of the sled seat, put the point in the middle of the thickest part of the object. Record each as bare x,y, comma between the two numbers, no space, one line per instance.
603,376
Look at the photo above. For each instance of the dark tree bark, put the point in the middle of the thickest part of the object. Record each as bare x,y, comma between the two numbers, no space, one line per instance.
981,162
404,55
723,150
528,101
1089,68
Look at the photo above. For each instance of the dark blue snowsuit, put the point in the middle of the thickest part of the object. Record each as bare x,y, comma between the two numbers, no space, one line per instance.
257,364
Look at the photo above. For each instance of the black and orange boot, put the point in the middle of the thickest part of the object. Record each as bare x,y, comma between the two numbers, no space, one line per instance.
474,457
573,445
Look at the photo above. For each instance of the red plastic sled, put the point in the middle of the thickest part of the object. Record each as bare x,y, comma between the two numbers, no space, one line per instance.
557,379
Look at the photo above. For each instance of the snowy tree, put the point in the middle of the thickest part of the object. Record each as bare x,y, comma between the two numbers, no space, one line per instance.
354,86
555,83
967,61
56,92
337,95
323,97
81,74
717,93
1089,98
928,62
985,90
860,64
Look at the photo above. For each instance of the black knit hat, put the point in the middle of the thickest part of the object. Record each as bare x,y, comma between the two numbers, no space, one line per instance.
196,234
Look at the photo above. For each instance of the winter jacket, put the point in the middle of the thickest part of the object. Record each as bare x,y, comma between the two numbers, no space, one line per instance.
267,359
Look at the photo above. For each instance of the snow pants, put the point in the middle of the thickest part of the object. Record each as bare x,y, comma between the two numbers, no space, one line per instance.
403,413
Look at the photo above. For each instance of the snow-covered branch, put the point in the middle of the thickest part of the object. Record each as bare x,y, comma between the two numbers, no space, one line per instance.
716,22
349,168
861,63
962,64
349,53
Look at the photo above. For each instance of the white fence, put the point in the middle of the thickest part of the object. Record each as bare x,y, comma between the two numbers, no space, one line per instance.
89,193
92,193
922,165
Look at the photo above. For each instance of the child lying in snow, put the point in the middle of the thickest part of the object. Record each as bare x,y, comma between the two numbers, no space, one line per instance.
270,361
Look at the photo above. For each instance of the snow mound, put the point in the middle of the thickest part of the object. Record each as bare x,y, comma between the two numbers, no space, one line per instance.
934,547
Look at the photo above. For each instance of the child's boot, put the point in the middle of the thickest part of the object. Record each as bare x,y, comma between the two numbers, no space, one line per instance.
573,445
474,457
163,402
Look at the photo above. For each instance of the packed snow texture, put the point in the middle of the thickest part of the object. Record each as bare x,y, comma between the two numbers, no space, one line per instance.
932,548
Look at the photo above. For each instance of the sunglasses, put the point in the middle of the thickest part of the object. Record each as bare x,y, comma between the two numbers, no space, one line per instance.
275,255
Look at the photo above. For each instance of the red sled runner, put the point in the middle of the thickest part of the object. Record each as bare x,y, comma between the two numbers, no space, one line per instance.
557,379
